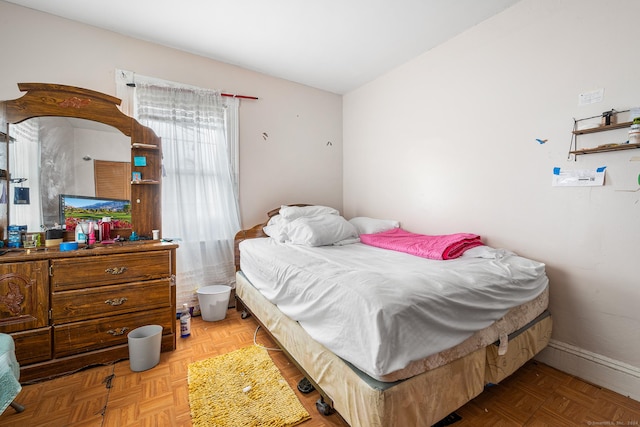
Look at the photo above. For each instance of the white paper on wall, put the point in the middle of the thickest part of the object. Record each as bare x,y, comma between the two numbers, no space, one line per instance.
578,177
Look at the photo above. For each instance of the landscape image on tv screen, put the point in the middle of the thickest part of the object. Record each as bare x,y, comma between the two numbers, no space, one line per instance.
74,209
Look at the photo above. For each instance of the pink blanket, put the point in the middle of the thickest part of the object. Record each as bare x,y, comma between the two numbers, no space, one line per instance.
447,246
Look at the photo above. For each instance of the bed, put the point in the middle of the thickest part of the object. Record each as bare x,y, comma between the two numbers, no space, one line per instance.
339,309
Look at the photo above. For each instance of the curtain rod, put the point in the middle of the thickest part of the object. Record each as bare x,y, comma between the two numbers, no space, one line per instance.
238,96
231,95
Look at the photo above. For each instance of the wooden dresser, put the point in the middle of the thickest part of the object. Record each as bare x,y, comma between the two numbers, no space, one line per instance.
69,310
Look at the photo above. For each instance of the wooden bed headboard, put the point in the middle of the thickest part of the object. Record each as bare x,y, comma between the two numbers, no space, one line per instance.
254,232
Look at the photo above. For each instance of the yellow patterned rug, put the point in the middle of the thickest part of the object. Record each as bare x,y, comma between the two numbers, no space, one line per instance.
242,388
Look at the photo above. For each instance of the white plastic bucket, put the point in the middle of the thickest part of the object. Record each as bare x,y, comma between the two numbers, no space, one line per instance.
214,301
144,347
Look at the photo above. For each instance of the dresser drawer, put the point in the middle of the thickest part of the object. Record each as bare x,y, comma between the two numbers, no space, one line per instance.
110,300
79,337
33,346
85,272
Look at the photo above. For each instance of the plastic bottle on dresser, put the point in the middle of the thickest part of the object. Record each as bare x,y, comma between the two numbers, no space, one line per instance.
104,226
81,229
91,238
185,321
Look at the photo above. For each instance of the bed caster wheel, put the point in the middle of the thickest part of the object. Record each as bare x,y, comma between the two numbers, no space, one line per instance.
305,386
244,314
323,407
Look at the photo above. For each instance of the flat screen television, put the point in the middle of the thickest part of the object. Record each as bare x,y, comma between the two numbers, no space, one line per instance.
85,208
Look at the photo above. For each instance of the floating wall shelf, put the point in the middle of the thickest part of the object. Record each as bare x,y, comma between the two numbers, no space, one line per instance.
602,148
602,128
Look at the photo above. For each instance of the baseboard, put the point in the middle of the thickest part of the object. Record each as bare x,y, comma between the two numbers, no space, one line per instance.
594,368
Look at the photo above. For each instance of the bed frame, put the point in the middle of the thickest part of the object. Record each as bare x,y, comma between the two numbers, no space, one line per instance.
423,399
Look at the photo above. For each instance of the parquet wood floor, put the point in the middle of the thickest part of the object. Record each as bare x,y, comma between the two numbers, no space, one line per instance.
112,395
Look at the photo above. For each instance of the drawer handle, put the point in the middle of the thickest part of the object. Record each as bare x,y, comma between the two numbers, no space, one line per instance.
117,331
116,270
116,301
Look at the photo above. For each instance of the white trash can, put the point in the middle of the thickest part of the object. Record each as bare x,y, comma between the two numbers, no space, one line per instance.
214,302
144,347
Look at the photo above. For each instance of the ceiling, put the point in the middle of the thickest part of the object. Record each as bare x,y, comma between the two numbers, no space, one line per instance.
333,45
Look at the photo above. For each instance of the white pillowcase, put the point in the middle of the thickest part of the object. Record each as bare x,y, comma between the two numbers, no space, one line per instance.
292,212
366,225
311,226
486,252
319,230
274,228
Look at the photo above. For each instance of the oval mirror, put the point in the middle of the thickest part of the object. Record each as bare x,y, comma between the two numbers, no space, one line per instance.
67,156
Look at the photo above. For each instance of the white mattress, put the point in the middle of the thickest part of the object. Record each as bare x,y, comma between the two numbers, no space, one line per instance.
379,309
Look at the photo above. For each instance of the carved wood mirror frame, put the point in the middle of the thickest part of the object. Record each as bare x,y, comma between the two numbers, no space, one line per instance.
43,99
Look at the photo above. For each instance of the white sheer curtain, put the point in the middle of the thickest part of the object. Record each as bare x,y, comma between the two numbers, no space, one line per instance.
24,156
199,188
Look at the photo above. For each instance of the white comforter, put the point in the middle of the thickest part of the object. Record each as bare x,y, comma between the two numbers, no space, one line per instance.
380,309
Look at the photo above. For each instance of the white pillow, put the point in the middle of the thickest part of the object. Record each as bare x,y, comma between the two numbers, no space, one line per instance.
319,230
292,212
347,241
366,225
486,252
274,228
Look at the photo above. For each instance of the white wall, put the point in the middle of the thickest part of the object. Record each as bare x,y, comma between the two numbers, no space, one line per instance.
447,143
299,121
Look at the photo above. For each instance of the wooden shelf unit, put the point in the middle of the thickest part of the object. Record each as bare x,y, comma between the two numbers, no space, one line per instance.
602,128
604,148
619,147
